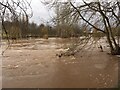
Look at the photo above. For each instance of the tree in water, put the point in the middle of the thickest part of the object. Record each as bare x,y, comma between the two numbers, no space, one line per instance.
101,15
107,12
13,9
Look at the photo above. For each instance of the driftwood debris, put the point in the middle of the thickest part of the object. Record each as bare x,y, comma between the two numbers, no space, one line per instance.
101,48
68,52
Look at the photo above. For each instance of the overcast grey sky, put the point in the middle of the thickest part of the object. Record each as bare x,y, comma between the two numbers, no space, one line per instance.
41,13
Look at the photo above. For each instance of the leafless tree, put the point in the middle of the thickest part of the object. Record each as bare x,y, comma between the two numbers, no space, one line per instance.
12,10
101,15
108,13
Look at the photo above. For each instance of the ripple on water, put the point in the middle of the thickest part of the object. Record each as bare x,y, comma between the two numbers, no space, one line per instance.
100,66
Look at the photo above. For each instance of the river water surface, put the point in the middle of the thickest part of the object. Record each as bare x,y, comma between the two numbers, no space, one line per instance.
34,64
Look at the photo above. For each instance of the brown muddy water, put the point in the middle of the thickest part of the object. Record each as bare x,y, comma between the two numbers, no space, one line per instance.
34,64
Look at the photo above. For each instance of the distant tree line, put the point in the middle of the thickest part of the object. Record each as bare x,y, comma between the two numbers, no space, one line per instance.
21,29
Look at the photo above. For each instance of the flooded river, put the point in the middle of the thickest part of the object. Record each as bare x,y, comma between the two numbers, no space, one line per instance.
34,64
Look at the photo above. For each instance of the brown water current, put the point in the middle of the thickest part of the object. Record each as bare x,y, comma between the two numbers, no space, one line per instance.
34,64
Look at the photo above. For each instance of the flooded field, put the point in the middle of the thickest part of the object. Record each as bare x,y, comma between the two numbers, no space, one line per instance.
34,64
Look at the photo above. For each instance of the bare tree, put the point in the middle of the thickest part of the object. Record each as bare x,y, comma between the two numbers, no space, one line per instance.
101,15
11,10
108,16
